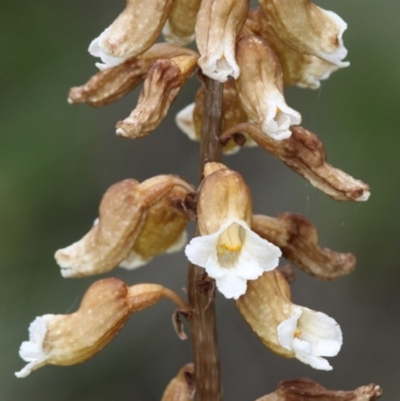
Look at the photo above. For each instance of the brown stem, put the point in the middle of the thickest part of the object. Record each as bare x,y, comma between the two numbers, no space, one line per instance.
200,287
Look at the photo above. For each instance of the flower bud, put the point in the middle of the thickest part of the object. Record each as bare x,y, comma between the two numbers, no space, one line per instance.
111,84
261,89
123,215
304,153
298,240
181,22
217,28
161,86
132,33
289,330
299,69
182,387
306,390
189,120
308,29
76,337
227,248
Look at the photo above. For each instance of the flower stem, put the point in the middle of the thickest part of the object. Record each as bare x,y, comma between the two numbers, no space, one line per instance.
200,287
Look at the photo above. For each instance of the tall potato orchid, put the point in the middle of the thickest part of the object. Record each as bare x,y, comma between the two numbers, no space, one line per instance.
244,60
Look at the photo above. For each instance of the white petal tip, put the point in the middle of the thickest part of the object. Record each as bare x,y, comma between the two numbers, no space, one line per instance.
121,132
69,100
364,197
184,121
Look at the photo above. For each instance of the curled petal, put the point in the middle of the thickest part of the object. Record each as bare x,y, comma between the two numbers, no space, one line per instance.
308,29
260,87
306,390
132,33
298,240
218,26
123,213
304,153
161,86
299,69
181,22
111,84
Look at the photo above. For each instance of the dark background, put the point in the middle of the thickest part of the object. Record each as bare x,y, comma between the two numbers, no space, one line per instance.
56,161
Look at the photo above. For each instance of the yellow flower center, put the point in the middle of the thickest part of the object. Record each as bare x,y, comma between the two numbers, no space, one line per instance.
297,333
229,244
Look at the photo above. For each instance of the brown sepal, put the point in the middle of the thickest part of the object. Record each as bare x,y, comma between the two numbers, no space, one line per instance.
308,390
109,85
298,240
304,153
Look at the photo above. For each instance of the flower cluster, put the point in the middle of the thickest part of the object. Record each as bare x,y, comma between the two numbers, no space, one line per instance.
253,54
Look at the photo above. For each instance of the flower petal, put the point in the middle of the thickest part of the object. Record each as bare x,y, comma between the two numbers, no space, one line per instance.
231,286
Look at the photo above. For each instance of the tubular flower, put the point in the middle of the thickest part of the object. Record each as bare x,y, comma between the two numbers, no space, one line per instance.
303,70
217,28
132,33
308,29
162,85
261,89
74,338
126,227
287,329
227,248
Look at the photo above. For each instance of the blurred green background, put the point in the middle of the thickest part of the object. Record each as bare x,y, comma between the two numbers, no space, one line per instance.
56,161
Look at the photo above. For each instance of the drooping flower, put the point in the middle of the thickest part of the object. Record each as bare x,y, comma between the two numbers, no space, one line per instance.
227,248
217,28
308,29
260,88
74,338
289,330
134,31
136,223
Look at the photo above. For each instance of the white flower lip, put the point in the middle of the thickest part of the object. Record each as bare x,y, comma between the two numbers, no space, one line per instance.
279,119
311,335
32,351
96,50
254,258
341,52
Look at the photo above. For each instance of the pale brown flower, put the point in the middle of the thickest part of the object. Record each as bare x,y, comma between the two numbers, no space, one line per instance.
124,213
76,337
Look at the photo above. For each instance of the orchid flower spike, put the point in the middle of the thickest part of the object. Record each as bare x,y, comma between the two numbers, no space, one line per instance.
227,248
289,330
